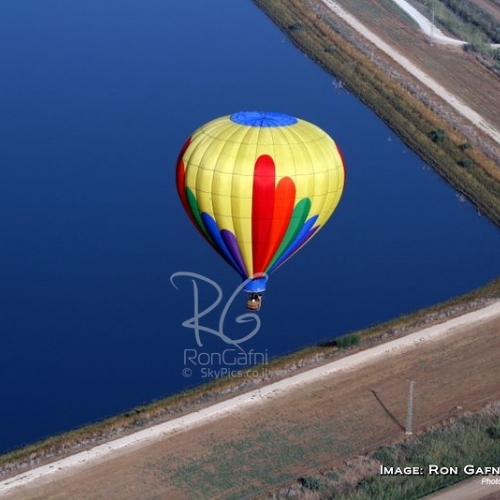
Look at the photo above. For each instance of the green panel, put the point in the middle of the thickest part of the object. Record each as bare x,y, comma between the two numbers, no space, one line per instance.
195,211
299,216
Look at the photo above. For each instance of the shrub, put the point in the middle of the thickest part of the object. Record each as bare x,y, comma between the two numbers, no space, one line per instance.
494,431
466,163
298,26
386,456
437,135
347,340
311,483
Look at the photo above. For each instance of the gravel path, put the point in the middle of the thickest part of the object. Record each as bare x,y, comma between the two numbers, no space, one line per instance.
277,389
234,405
411,68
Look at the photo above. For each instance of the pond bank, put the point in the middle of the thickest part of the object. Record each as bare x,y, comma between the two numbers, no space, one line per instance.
197,398
423,122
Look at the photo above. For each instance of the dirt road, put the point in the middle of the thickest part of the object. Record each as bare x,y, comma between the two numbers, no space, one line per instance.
181,434
426,26
147,462
479,488
411,68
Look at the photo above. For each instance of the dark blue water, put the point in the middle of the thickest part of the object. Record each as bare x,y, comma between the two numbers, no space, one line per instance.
96,98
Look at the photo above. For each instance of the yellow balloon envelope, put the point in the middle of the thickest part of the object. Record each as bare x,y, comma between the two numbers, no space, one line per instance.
258,186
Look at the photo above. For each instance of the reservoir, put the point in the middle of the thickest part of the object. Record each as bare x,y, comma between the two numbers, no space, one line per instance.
98,97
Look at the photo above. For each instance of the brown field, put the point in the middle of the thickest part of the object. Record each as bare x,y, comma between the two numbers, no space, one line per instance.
492,7
460,72
327,422
321,424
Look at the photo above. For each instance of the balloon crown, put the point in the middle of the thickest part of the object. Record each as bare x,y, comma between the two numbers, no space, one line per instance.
262,119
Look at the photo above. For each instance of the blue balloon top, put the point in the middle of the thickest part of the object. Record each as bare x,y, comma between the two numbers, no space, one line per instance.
256,285
262,119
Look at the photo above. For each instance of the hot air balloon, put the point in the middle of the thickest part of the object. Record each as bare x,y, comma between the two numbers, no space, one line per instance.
258,186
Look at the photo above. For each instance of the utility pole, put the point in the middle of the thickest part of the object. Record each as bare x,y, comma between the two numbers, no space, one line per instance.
409,413
432,26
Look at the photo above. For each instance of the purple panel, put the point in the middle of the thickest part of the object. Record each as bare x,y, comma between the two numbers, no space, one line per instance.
232,245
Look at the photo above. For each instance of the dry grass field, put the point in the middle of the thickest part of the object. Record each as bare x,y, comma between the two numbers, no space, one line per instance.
326,422
455,69
317,426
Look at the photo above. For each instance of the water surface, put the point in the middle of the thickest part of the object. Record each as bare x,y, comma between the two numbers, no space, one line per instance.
97,99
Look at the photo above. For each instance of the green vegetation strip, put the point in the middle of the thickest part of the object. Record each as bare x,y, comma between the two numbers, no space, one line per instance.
218,390
475,21
473,439
465,167
467,21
